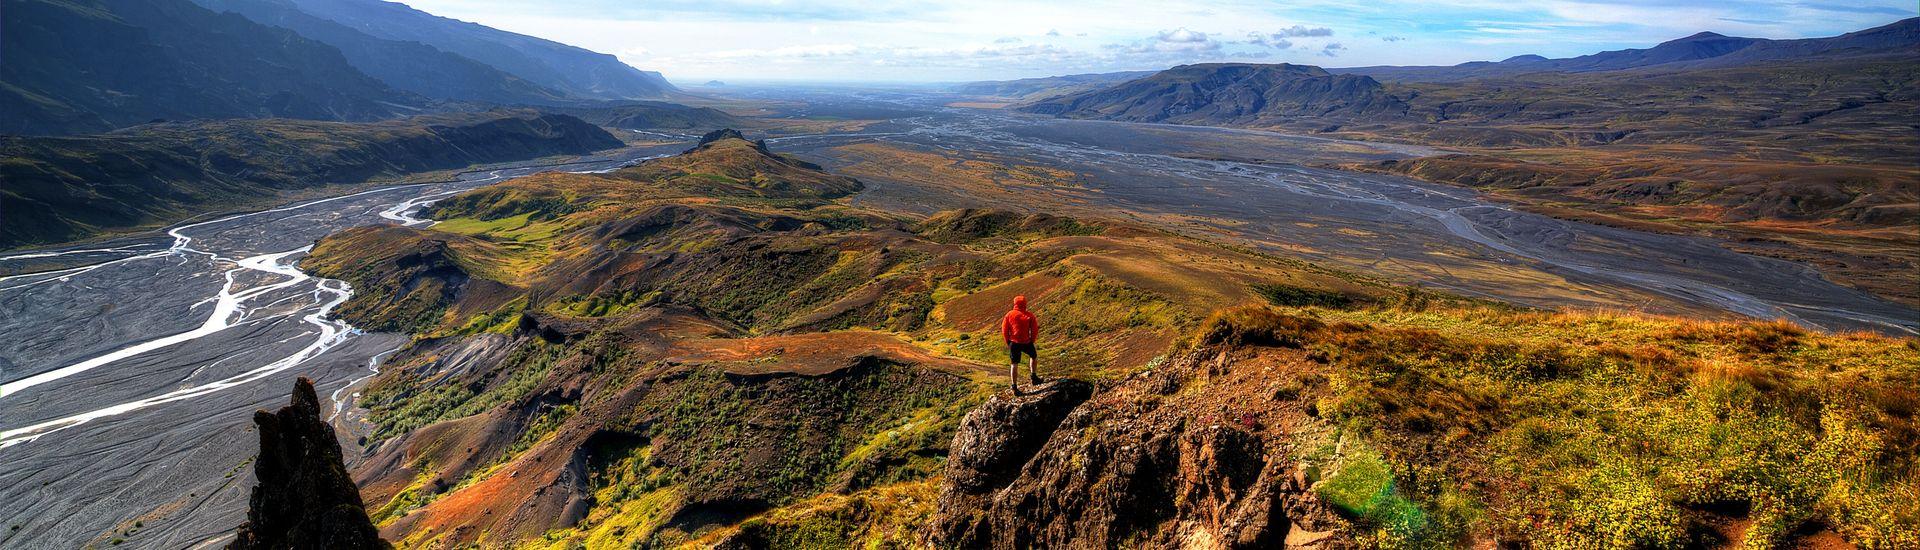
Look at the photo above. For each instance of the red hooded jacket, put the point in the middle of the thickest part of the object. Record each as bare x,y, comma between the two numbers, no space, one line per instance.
1019,326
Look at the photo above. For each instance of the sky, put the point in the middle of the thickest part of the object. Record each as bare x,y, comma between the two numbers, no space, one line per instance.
693,41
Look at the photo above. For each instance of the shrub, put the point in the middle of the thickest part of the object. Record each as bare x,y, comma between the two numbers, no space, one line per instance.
1293,296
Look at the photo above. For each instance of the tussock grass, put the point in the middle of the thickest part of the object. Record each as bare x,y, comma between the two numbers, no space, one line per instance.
1605,429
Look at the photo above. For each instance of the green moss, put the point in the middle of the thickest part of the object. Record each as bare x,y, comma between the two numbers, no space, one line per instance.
1362,486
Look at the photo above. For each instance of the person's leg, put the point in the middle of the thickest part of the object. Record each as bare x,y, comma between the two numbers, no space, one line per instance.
1013,367
1033,364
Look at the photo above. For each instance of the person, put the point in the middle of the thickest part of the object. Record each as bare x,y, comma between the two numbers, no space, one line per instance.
1020,328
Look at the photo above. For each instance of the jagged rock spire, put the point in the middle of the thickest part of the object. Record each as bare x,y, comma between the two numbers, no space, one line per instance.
304,499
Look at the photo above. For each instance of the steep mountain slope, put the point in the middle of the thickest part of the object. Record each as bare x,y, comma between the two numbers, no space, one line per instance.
63,188
168,59
574,71
1227,94
1030,89
404,65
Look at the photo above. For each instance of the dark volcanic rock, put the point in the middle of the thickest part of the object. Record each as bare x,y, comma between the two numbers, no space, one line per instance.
720,134
729,133
1142,465
992,444
305,498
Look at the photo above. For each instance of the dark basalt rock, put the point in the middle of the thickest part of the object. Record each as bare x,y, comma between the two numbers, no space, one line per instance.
305,498
729,133
1135,467
720,134
991,445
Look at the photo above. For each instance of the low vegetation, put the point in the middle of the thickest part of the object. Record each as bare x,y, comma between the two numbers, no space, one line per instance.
744,361
1459,423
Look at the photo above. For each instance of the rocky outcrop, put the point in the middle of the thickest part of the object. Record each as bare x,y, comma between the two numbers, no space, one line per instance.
304,499
708,139
1142,465
992,444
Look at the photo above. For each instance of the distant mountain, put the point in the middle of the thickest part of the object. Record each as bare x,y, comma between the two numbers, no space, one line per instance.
1046,87
1900,38
404,65
1226,94
575,71
55,189
649,114
1701,50
93,65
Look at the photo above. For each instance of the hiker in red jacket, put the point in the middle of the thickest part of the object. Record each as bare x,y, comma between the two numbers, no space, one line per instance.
1020,328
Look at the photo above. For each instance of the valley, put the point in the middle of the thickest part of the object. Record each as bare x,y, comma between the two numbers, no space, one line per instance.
528,323
529,293
184,334
1779,147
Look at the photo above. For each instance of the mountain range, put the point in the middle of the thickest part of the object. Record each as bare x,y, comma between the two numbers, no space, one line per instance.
1783,145
352,60
1245,93
1698,51
56,189
169,59
1044,87
1227,93
574,71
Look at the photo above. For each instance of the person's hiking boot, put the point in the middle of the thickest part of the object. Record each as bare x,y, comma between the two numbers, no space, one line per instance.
1034,379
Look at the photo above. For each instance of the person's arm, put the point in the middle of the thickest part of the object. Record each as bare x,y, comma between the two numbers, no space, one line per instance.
1006,329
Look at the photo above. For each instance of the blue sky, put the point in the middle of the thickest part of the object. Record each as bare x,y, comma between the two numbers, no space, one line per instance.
848,40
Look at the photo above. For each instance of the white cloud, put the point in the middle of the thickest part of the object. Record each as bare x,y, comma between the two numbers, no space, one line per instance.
737,40
1269,40
1183,36
1303,31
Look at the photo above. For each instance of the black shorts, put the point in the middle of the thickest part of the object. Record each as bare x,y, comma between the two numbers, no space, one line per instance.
1015,349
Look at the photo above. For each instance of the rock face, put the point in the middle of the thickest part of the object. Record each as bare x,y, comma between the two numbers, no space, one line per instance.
1142,465
993,443
305,498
